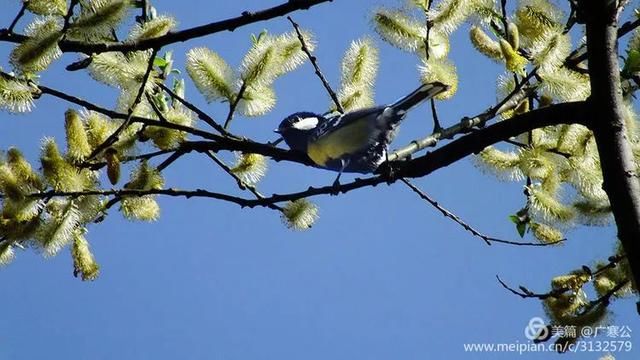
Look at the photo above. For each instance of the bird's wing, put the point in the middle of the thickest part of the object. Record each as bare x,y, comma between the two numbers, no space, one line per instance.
351,133
337,122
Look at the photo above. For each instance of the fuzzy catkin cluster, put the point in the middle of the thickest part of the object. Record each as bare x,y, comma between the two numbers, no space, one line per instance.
51,224
427,35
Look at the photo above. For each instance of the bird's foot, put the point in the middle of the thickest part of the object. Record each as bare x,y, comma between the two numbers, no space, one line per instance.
335,187
275,142
388,171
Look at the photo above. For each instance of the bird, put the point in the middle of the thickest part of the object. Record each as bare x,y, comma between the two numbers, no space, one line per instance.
356,141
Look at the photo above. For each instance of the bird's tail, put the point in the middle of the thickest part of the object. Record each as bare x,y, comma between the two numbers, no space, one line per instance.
424,92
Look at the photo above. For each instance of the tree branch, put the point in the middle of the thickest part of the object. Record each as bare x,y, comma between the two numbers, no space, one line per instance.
620,179
116,134
565,113
525,293
119,193
116,115
241,184
476,141
16,19
466,124
67,17
580,54
466,226
233,105
201,114
314,62
218,142
230,24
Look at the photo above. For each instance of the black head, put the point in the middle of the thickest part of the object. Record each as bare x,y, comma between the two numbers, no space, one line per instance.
296,128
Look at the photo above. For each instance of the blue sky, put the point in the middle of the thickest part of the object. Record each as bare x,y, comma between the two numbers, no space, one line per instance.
380,276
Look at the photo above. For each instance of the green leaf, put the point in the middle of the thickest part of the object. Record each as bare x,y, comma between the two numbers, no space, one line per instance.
632,63
256,38
160,62
522,228
514,219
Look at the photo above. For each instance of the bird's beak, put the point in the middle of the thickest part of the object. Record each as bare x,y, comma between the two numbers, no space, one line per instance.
277,131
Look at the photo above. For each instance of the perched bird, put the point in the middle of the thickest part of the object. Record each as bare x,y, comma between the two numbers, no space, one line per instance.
356,141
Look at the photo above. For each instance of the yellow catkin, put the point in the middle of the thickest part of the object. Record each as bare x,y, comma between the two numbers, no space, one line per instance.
484,44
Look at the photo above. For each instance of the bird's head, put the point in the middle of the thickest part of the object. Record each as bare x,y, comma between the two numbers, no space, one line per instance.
296,128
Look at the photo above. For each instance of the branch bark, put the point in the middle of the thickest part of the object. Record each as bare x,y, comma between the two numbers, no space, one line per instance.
610,131
230,24
566,113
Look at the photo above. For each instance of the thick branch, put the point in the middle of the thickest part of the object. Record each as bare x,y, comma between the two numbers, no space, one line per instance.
620,179
230,24
564,113
466,124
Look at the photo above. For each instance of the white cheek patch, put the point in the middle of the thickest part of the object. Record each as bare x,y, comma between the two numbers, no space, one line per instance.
306,123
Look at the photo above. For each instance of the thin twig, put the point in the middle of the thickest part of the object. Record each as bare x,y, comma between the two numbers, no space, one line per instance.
604,299
522,145
503,18
116,134
17,18
437,128
201,114
116,115
467,227
199,193
42,89
523,292
234,104
466,124
527,294
231,142
572,18
428,33
146,156
613,262
144,5
67,18
314,62
170,160
155,108
580,54
241,184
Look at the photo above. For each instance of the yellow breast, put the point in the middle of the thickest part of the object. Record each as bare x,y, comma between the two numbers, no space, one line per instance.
336,144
